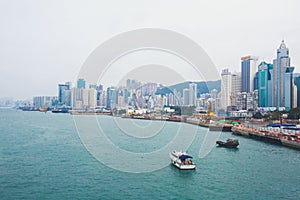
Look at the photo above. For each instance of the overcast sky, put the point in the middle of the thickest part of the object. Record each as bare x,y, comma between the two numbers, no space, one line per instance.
43,43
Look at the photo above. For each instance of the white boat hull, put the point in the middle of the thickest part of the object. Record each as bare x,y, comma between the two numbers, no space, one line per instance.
183,167
179,163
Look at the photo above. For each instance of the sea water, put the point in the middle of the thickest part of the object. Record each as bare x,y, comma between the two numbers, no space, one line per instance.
42,157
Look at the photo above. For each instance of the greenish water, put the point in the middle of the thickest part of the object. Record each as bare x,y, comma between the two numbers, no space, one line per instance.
42,157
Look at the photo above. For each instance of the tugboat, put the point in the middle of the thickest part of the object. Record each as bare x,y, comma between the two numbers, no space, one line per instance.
182,160
230,143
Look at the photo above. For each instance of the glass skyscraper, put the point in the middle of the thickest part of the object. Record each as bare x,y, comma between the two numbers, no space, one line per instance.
264,84
81,83
282,87
248,65
288,88
112,98
64,94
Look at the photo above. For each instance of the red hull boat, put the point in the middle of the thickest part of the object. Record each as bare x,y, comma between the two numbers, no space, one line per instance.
230,143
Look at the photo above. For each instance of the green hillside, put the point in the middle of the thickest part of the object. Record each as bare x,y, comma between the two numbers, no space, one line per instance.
202,87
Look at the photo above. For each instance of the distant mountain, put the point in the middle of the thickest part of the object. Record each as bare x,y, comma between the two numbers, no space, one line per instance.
202,87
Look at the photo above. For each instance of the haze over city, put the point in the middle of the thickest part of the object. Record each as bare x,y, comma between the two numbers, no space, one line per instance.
149,99
44,43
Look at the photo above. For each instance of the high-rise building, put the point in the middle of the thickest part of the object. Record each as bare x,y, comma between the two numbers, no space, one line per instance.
192,94
102,98
64,94
81,83
171,99
99,90
214,93
282,87
230,89
288,88
66,98
76,102
128,84
112,98
186,97
177,97
265,84
126,94
226,88
48,101
84,99
93,86
249,66
297,94
236,87
247,101
133,84
255,82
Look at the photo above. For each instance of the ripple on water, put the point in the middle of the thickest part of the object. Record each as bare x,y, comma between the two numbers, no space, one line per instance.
41,157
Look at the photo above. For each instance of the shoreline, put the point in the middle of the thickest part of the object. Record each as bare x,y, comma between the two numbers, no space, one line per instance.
264,136
290,141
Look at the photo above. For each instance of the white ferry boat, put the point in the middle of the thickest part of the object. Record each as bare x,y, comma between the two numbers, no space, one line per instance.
182,160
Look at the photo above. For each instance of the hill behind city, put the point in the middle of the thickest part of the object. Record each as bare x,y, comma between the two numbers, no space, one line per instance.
202,87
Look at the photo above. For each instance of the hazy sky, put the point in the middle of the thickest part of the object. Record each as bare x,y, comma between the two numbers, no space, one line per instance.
43,43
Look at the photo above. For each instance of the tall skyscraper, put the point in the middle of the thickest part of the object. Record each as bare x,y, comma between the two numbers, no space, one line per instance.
226,88
249,67
64,94
92,98
178,97
84,99
288,88
255,82
81,83
186,96
230,89
99,89
193,94
265,84
236,87
282,87
128,84
77,98
297,94
112,98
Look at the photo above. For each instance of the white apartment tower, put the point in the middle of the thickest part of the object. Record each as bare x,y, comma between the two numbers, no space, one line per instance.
226,88
193,94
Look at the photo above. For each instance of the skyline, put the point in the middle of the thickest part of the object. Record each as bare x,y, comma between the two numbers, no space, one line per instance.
45,43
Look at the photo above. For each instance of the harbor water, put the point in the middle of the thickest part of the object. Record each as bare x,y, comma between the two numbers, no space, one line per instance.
42,157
